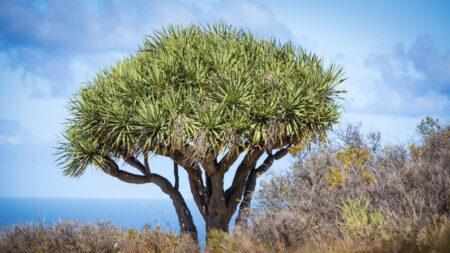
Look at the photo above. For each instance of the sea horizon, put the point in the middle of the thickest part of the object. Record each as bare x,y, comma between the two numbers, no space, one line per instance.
125,213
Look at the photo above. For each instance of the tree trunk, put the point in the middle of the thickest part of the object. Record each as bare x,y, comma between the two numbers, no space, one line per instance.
217,216
216,222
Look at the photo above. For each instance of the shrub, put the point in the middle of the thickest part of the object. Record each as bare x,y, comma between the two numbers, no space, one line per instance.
359,221
218,241
392,193
72,236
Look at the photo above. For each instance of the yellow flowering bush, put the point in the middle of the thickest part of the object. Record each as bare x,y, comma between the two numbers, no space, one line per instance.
335,177
367,177
354,156
296,149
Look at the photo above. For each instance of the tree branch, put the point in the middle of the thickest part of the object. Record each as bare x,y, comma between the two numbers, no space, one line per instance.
250,185
133,161
184,215
175,172
228,160
113,169
195,181
242,217
147,167
286,140
234,193
270,159
210,167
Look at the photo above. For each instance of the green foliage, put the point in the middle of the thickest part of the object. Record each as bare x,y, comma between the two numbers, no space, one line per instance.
217,241
212,87
360,222
131,233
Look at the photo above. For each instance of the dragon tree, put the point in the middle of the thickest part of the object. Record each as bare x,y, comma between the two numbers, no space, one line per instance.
206,97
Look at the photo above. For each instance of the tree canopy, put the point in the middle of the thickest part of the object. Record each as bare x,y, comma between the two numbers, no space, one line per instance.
212,88
197,94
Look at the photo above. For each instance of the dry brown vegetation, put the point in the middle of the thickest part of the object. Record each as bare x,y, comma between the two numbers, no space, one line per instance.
353,194
70,236
350,194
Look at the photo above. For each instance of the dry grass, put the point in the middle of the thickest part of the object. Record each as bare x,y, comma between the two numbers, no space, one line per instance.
69,236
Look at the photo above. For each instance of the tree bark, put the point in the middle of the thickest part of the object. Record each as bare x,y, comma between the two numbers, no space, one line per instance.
244,208
195,182
185,219
217,216
234,193
175,172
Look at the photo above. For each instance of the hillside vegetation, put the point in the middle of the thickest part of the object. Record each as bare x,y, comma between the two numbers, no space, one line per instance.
353,194
347,194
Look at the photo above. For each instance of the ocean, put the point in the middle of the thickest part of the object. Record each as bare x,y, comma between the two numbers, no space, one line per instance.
127,213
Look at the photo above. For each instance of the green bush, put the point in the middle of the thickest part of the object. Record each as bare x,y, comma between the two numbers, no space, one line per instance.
358,221
218,241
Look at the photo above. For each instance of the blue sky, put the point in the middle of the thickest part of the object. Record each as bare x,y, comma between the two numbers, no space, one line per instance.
396,55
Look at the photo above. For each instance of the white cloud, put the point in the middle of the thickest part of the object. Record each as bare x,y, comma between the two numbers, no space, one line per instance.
250,14
11,139
403,82
28,112
54,40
